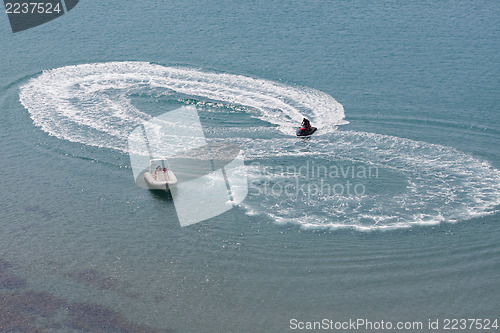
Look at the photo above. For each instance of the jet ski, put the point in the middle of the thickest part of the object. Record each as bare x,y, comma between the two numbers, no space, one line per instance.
306,131
305,128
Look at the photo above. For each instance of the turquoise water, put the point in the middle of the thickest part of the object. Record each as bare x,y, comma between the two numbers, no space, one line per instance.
409,90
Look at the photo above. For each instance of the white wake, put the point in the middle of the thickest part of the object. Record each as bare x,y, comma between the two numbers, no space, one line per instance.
91,104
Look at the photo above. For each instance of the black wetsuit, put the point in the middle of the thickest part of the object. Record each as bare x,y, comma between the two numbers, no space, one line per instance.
306,124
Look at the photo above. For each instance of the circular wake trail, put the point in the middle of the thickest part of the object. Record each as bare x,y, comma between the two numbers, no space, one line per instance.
436,183
91,104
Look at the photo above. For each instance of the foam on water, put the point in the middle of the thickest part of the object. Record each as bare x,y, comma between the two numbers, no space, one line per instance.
441,184
90,104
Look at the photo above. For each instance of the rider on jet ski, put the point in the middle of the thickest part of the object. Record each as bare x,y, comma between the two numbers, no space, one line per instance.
306,125
306,129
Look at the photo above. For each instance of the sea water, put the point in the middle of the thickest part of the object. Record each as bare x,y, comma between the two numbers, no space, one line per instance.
389,212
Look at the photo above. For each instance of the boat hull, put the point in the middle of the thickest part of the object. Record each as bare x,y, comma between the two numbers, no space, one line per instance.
161,182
